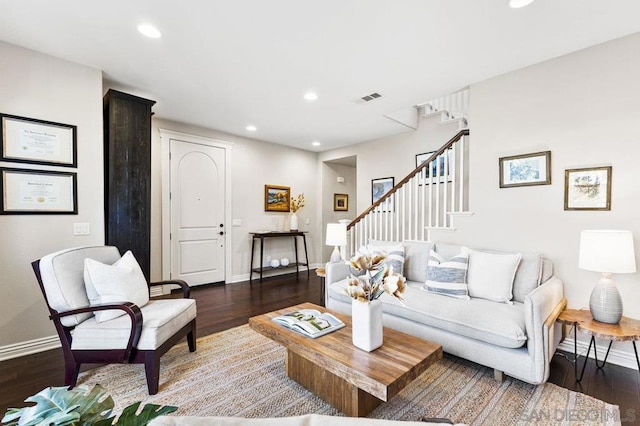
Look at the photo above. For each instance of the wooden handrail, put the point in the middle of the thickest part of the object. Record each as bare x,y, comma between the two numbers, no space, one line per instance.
417,170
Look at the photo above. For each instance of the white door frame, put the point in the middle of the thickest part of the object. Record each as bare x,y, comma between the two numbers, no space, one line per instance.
165,137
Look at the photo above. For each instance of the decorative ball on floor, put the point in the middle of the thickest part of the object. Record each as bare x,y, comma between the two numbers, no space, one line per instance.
275,263
284,261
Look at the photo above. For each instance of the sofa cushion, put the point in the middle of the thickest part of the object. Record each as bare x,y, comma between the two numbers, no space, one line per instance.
161,320
499,324
447,277
491,275
416,257
531,271
122,281
395,255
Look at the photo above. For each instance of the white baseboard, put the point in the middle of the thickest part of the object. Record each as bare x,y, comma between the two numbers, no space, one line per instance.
29,347
616,356
245,277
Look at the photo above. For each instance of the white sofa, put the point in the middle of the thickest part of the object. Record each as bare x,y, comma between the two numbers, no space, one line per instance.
518,337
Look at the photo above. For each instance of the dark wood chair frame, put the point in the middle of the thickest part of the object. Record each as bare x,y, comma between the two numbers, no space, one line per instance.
130,355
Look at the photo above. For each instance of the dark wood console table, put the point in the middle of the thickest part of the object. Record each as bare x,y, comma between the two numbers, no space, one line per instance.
260,236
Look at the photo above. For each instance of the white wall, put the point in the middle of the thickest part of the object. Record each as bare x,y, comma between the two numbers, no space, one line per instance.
330,186
255,163
43,87
584,108
391,156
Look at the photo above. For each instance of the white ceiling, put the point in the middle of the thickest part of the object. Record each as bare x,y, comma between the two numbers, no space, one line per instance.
225,64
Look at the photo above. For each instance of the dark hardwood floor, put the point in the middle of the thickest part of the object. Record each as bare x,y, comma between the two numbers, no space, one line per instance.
224,306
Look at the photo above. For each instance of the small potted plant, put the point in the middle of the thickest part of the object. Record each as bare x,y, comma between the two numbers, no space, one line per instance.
296,204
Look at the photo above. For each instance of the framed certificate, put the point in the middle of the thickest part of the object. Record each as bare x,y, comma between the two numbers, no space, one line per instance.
38,192
27,140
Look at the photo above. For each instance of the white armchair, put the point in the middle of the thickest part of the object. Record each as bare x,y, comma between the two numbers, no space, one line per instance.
141,336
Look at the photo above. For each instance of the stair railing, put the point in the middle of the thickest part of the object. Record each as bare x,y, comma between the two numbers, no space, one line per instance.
424,200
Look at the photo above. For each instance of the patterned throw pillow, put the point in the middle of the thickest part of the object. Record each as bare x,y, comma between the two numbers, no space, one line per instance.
395,256
447,277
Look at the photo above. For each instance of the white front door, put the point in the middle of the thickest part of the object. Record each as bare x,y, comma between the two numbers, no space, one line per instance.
197,198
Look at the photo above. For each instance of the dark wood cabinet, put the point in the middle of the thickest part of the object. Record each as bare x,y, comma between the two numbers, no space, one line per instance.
127,174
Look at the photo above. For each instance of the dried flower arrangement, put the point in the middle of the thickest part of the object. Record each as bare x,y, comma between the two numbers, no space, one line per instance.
297,203
376,280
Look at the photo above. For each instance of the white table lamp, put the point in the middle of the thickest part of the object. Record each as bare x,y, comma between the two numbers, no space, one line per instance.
608,252
336,236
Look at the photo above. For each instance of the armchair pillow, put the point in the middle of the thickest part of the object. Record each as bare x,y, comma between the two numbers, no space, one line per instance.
121,282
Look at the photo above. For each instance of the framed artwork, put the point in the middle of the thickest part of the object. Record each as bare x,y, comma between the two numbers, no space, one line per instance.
525,170
587,189
27,140
38,192
436,175
340,202
379,187
277,198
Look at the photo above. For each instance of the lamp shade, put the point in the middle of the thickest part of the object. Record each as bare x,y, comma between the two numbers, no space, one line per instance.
607,251
336,234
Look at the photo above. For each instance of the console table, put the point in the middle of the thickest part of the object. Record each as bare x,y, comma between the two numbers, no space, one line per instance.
260,236
627,330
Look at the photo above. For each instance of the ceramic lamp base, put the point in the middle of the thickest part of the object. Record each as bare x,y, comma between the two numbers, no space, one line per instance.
335,255
605,302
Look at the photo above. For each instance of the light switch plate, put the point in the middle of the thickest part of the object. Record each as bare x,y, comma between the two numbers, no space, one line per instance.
82,228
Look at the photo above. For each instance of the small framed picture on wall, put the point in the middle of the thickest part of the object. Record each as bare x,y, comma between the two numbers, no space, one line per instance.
340,202
587,189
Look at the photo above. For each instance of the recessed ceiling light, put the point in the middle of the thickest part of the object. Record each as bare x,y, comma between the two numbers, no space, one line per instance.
149,31
311,96
316,143
251,128
516,4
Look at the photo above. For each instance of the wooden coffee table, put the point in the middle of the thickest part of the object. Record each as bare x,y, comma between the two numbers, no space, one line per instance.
352,380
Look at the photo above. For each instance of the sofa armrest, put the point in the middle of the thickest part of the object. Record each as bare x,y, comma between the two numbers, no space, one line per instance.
336,271
541,307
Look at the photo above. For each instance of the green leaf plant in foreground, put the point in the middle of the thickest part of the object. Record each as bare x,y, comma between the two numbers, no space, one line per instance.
79,406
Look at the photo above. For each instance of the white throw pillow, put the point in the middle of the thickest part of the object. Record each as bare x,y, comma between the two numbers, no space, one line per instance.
121,282
491,275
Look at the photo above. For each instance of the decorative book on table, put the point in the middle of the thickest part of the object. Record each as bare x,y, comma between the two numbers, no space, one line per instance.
310,322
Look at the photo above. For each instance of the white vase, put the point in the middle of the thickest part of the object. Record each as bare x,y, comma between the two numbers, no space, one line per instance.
293,222
366,318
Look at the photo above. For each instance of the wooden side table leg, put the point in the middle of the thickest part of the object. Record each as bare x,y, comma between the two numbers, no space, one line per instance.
253,244
636,352
295,247
306,255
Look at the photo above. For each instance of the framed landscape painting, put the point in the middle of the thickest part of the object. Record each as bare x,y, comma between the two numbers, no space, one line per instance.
525,170
587,189
277,198
379,187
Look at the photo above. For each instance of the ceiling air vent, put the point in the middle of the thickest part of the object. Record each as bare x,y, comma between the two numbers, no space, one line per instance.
368,98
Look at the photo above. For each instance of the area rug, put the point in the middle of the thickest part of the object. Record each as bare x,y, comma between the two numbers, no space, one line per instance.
240,373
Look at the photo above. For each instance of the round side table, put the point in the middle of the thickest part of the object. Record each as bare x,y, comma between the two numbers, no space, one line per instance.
627,329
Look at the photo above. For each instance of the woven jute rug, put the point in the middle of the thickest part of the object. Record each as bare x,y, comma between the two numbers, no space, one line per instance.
240,373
